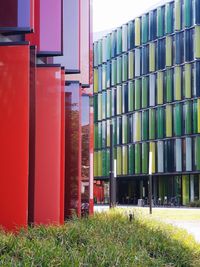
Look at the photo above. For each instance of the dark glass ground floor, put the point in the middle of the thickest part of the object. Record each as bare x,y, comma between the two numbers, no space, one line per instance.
167,190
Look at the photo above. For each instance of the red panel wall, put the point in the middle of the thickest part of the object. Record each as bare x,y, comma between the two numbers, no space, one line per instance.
14,135
47,193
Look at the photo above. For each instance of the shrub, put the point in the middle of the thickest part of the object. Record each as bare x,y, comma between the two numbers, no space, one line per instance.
195,204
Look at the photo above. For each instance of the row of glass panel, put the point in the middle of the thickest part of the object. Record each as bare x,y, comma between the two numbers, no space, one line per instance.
155,24
162,122
142,61
175,84
176,155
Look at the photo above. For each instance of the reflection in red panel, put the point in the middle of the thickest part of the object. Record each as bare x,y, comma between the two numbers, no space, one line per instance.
14,135
72,150
47,195
48,27
62,187
16,16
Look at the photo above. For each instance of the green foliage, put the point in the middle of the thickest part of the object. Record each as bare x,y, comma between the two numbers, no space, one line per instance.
104,240
195,204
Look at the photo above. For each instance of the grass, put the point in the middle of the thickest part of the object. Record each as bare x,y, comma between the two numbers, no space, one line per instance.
107,239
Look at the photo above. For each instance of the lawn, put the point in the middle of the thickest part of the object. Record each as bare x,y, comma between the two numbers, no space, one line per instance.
104,240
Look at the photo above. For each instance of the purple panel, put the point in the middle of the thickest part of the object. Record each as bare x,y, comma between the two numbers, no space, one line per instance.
51,26
71,36
8,13
23,13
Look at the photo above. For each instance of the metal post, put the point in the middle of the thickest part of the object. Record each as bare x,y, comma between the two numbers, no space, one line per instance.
112,176
150,182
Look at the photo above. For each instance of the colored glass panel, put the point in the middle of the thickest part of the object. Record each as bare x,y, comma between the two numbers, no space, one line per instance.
124,160
95,108
197,42
113,72
160,122
131,35
137,158
145,90
145,158
152,25
108,133
177,83
178,119
160,156
108,47
160,86
188,154
119,130
185,189
99,155
95,164
187,14
137,126
137,94
124,98
113,44
113,101
188,45
152,57
188,117
169,19
160,58
99,135
131,159
179,48
95,136
169,85
95,54
104,102
108,103
145,61
119,41
99,52
160,21
197,153
152,149
178,155
130,65
131,96
99,107
194,117
119,160
137,32
145,28
104,71
99,78
124,129
119,100
152,123
169,155
108,75
198,115
197,13
169,54
103,125
152,91
137,62
124,38
187,81
145,124
119,69
178,20
104,49
168,115
96,81
124,67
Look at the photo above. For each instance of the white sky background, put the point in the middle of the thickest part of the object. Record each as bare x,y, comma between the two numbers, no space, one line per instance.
108,14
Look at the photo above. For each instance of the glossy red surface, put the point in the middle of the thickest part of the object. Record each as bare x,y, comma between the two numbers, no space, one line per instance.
72,150
47,195
14,135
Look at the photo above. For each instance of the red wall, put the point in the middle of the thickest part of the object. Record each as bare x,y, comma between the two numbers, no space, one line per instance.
14,135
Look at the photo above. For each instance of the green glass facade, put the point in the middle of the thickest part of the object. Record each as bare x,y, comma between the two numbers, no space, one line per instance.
147,84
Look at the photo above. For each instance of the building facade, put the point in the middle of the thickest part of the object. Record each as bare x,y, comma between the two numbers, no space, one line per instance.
45,111
147,85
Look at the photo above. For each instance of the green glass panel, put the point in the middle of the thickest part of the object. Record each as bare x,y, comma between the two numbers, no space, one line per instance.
145,155
104,105
169,44
168,112
104,71
119,69
168,18
131,96
152,124
188,117
95,49
130,65
99,107
160,21
137,126
108,103
95,136
194,120
124,160
198,115
108,133
95,164
119,41
178,6
131,160
104,163
96,82
108,162
137,32
152,149
169,85
177,83
124,129
99,163
114,123
145,124
185,189
187,13
103,134
119,130
160,122
119,100
100,52
145,97
99,135
188,81
197,42
108,47
113,72
145,26
137,94
160,88
95,108
119,160
124,67
113,101
152,57
197,153
178,119
137,158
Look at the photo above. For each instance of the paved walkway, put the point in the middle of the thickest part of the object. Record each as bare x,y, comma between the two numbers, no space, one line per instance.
192,227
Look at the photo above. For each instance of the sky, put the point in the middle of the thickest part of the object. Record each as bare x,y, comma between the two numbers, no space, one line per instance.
109,14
